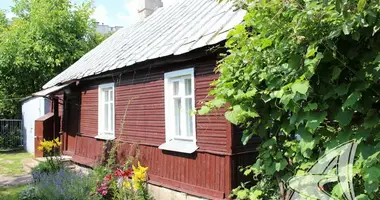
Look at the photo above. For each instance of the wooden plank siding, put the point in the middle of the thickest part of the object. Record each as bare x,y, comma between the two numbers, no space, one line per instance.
140,119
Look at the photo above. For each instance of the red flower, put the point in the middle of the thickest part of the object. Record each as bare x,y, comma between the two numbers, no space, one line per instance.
108,177
128,172
104,192
121,173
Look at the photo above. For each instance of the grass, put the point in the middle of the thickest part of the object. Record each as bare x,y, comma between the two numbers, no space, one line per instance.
11,193
11,162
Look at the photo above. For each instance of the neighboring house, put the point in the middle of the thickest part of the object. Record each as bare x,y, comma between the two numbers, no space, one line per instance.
32,109
105,29
141,86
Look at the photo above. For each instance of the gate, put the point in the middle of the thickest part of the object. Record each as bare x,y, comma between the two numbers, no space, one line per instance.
11,135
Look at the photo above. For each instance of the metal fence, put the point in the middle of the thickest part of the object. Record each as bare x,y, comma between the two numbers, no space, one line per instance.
11,135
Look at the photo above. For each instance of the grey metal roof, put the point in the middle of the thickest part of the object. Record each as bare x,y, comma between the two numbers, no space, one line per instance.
173,30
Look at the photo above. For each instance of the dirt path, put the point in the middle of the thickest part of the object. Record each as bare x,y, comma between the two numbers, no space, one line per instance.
14,180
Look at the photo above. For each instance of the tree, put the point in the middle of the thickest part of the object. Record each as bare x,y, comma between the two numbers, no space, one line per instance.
44,38
304,76
3,21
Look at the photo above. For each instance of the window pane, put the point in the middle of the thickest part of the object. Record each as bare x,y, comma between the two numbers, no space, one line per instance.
111,116
105,93
111,94
189,117
177,116
187,86
105,117
175,88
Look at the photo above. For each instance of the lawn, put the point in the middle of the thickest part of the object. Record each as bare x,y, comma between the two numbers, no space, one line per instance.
11,162
11,193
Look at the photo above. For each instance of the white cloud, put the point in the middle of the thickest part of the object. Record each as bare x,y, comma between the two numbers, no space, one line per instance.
100,14
130,16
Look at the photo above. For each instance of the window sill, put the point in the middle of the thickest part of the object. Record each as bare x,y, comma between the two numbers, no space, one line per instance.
99,137
181,146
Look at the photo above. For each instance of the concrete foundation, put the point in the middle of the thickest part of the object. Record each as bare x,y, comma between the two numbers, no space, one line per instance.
162,193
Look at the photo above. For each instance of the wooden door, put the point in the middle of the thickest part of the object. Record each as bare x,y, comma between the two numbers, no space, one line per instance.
71,122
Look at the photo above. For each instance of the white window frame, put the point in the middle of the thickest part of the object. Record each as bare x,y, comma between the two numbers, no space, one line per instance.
105,134
169,116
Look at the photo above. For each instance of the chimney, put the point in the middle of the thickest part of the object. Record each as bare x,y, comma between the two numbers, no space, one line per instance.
147,7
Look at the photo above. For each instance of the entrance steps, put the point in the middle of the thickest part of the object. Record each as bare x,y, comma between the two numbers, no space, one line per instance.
30,163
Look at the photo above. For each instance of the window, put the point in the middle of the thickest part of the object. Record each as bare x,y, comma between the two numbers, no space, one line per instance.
179,106
106,112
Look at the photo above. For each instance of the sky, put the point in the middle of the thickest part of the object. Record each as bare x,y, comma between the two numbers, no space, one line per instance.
117,13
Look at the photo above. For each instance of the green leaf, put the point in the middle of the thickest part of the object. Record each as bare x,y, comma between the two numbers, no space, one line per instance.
371,177
204,110
344,117
311,50
217,102
281,165
372,119
315,119
266,43
255,194
307,142
362,197
335,73
352,99
295,61
246,137
361,5
269,142
309,107
300,86
346,29
377,59
342,89
242,194
235,114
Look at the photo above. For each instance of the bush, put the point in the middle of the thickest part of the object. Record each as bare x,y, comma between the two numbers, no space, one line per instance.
29,193
47,167
127,183
63,184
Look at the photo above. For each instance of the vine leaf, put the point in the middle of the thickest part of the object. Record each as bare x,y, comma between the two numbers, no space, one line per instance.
371,179
335,73
352,99
362,197
300,86
204,110
281,165
371,120
314,120
361,5
344,117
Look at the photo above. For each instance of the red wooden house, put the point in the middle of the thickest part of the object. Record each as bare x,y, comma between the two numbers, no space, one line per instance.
141,85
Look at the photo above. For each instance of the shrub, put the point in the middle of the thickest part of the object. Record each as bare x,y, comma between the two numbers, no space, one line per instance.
127,183
64,184
29,193
46,167
52,164
304,75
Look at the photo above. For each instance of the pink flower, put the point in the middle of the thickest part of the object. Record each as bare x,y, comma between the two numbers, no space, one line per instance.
108,177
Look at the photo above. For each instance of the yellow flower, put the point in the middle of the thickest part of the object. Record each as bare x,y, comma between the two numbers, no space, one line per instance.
127,184
136,186
40,148
139,176
48,146
57,142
